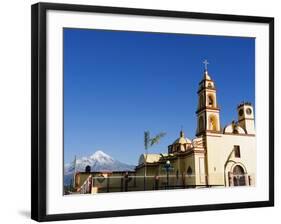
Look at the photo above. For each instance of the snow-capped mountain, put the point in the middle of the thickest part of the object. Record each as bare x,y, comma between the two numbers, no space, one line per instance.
99,161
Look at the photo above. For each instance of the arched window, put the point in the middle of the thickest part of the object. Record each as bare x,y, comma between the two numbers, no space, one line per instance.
238,170
210,101
201,101
213,123
182,148
201,123
237,153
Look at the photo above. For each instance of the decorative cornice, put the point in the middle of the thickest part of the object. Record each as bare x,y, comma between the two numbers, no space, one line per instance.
207,108
191,152
203,80
220,134
214,89
251,135
252,119
206,132
147,164
244,103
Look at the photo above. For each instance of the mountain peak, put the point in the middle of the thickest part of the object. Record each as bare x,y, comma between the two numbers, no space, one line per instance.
99,161
98,155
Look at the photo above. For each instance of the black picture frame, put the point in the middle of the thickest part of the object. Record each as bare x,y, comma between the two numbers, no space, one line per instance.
38,108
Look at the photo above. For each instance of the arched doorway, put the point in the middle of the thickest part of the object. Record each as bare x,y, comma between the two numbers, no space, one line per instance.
239,176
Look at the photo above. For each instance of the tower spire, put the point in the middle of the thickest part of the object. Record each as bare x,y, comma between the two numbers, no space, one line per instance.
206,75
181,132
208,112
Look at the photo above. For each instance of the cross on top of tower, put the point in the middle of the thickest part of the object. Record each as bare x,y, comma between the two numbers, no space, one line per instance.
205,62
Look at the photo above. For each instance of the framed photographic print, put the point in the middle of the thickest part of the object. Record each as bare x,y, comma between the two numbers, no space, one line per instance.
139,111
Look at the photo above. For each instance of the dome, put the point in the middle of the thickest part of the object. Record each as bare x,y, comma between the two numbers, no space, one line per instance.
206,75
234,128
182,139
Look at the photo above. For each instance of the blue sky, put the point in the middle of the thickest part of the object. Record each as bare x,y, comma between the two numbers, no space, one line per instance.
117,84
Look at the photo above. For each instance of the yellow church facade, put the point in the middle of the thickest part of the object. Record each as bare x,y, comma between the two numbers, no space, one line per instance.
216,157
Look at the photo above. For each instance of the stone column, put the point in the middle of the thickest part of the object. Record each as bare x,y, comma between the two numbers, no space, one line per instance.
246,179
230,179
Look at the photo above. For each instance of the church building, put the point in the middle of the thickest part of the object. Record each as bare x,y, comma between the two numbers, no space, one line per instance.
216,157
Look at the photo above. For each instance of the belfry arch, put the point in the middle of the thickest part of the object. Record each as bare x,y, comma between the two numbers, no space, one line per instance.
211,100
213,123
201,123
201,101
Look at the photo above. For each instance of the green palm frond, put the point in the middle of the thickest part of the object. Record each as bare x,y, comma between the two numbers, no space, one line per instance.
156,139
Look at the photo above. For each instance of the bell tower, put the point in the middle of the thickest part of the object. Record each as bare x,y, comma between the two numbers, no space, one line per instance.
246,117
208,112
